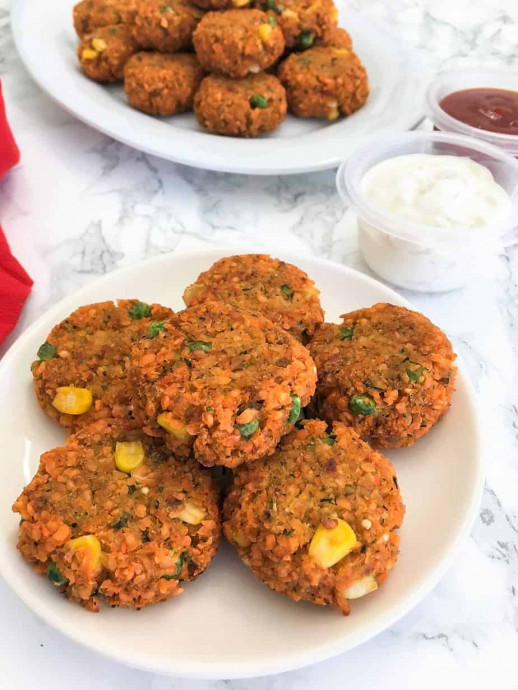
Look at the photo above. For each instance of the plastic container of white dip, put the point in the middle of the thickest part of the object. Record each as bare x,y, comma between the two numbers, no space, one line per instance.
439,240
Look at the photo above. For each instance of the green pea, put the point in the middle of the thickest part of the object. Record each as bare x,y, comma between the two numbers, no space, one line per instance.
305,39
246,430
417,373
155,328
272,21
139,310
55,575
346,333
362,403
199,345
295,409
46,352
131,489
164,9
286,290
259,101
272,5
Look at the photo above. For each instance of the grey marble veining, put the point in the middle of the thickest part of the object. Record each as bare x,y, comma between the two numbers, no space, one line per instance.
80,205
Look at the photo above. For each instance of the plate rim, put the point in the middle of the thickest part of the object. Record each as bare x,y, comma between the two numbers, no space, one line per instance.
408,121
251,669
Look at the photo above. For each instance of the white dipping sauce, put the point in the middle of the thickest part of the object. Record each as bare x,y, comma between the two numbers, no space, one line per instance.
429,194
442,191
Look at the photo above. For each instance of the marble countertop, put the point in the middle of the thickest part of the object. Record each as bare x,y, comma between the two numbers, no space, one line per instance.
80,205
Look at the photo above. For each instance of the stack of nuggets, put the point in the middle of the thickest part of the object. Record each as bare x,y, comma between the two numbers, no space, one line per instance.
128,509
262,60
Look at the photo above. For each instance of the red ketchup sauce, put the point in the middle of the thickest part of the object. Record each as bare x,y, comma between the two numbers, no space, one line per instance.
494,110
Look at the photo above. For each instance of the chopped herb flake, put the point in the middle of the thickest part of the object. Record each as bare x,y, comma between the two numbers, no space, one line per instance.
155,328
286,290
55,576
199,345
139,310
305,39
329,440
346,333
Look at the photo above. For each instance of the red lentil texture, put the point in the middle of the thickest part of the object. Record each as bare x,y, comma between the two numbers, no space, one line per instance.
160,84
324,82
146,549
386,371
256,282
228,381
275,506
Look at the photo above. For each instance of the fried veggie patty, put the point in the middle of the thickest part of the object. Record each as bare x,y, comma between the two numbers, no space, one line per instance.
258,283
316,520
227,381
237,42
324,82
160,84
114,515
385,371
81,371
244,107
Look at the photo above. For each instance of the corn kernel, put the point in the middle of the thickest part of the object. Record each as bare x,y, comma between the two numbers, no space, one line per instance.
330,545
240,3
254,69
89,54
98,44
265,31
175,427
129,455
341,52
361,587
72,400
287,14
192,291
240,540
90,546
191,514
333,114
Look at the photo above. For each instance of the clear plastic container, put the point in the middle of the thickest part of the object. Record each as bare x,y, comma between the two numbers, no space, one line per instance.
423,257
446,83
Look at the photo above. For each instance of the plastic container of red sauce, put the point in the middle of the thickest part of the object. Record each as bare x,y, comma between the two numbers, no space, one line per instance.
482,103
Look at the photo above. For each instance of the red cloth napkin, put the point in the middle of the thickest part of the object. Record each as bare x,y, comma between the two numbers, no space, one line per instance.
15,284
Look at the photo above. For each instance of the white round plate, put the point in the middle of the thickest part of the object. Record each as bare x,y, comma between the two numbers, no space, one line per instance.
228,624
47,43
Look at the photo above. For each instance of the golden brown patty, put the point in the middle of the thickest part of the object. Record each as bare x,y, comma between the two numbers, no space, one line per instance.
244,107
228,381
89,352
386,371
316,520
162,84
302,21
258,283
165,25
103,53
93,14
238,42
139,534
324,82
